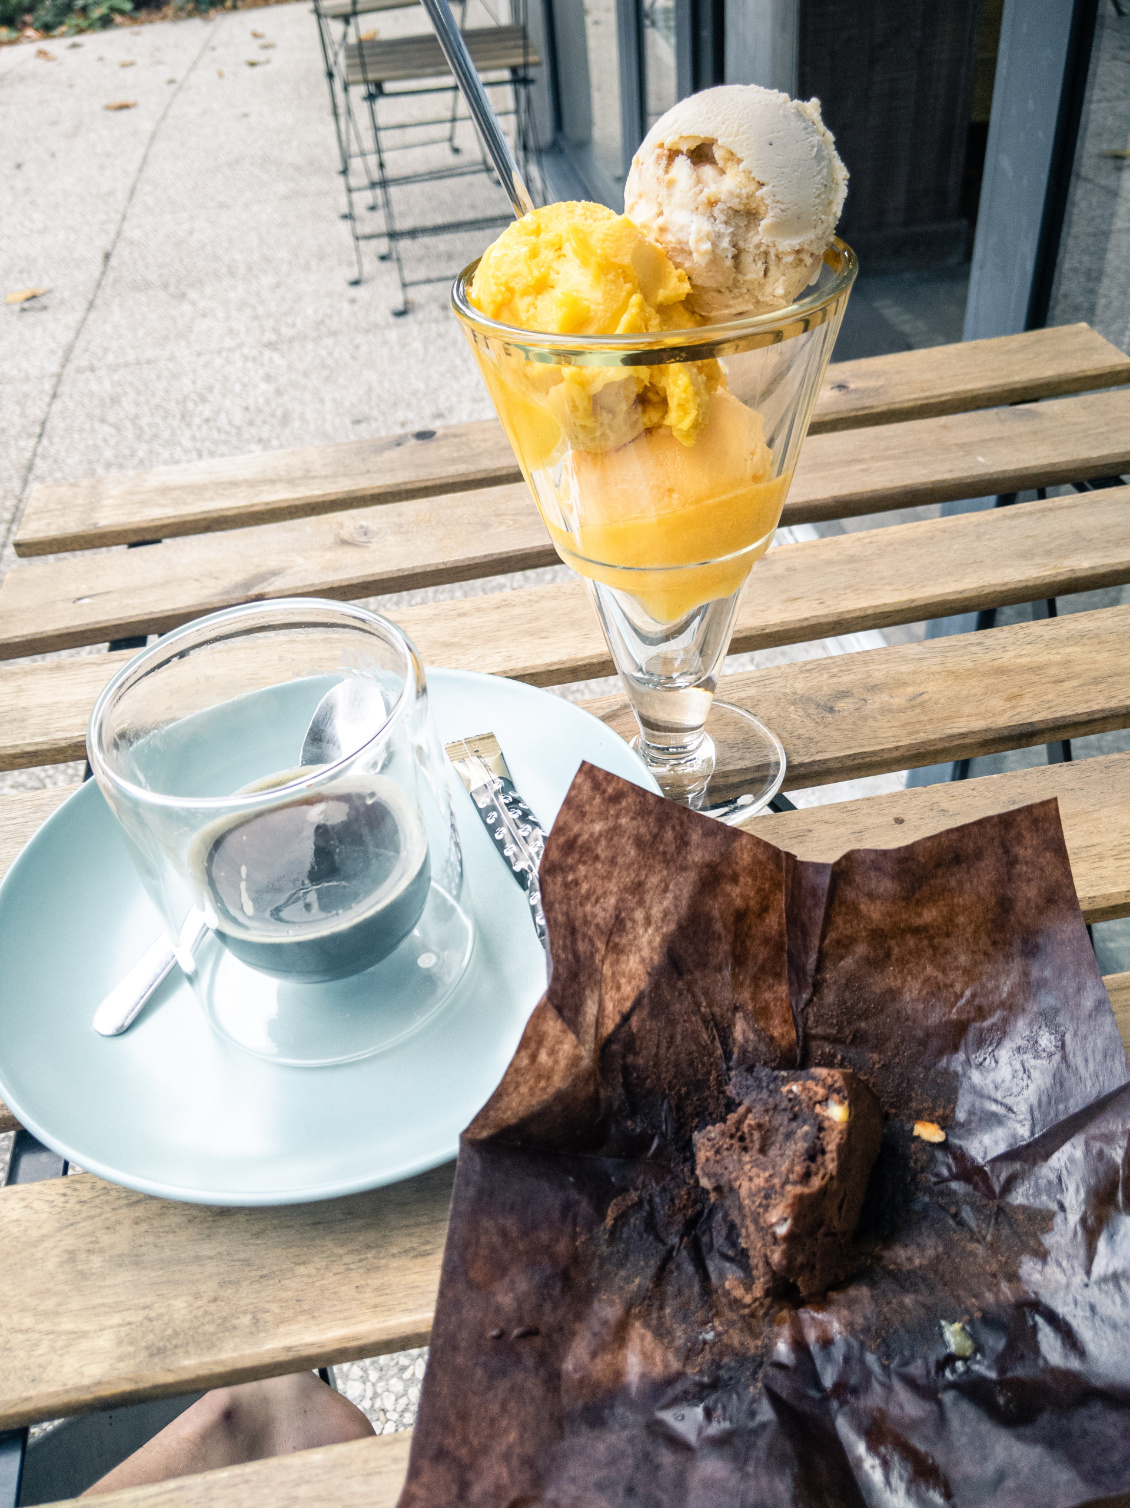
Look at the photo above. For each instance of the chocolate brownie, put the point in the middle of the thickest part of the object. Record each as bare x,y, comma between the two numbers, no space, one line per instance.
791,1166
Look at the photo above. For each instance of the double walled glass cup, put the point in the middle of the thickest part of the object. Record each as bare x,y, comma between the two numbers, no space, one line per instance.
660,464
285,799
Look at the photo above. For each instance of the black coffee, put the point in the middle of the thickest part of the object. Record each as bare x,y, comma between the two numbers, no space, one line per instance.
319,888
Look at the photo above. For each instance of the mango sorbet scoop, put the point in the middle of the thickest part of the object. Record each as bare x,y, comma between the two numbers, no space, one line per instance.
638,464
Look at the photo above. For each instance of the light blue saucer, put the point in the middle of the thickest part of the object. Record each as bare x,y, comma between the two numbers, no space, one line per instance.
174,1109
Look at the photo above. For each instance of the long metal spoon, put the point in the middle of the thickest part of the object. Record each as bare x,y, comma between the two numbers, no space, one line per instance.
347,715
482,111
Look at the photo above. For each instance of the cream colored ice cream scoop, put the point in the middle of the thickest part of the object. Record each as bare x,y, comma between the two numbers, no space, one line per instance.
742,187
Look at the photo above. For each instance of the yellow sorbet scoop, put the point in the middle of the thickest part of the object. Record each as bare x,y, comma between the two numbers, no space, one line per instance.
693,518
580,269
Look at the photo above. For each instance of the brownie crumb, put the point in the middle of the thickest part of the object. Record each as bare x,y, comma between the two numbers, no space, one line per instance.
791,1166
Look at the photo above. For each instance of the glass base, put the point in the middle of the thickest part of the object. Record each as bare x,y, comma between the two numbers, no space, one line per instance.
314,1025
732,774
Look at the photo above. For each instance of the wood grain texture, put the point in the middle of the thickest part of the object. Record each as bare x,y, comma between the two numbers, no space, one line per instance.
125,1297
234,491
399,546
242,490
846,716
550,635
962,455
8,1121
362,1474
968,375
49,605
1094,807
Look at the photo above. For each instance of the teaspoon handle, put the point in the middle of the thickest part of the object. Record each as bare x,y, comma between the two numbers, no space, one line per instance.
122,1004
120,1007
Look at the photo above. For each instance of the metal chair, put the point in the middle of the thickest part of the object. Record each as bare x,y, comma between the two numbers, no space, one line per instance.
367,75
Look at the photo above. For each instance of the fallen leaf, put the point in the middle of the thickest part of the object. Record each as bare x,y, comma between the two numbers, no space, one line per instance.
370,36
256,62
22,295
73,44
1123,154
219,73
129,63
263,46
48,57
256,33
121,104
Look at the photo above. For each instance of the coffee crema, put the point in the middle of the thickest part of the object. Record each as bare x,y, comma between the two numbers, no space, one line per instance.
319,887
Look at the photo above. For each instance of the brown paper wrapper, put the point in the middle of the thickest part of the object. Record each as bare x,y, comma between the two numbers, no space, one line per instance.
591,1346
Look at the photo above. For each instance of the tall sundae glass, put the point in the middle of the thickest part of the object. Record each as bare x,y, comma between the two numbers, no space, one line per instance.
665,521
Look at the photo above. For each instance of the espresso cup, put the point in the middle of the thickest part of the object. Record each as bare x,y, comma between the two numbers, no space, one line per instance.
343,873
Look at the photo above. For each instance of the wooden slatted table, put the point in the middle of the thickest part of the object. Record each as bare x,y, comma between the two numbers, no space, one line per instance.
197,1296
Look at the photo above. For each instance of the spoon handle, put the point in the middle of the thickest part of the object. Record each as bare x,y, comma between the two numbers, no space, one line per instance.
120,1007
122,1004
482,112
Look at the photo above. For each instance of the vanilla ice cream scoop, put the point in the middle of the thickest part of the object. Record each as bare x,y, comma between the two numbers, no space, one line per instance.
742,187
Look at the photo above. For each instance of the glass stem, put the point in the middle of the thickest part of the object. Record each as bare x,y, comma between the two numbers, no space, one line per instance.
670,672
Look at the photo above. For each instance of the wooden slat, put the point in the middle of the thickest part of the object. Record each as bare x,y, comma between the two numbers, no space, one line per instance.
847,716
53,604
842,717
56,604
236,491
363,1474
969,375
202,1296
243,490
492,48
962,455
125,1297
549,635
798,592
1094,807
8,1121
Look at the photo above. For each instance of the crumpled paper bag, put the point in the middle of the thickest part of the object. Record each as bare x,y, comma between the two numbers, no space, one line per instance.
587,1352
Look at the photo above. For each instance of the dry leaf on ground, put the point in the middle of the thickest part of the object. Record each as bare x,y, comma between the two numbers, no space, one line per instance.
120,104
370,36
256,62
48,57
219,73
1125,153
263,46
256,33
129,63
22,295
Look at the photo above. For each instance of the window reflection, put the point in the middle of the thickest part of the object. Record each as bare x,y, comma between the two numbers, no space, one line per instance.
588,91
661,89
